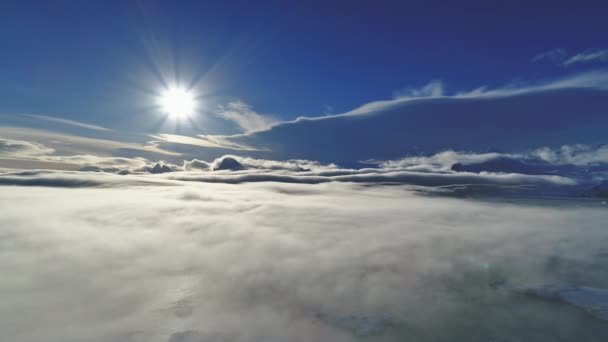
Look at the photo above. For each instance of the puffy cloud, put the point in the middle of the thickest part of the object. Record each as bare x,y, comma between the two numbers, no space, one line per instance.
236,163
161,168
171,261
245,117
196,164
227,163
264,164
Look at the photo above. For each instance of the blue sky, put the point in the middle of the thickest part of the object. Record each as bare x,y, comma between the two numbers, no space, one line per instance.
79,59
69,64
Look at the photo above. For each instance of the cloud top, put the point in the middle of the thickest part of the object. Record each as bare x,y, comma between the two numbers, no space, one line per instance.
174,261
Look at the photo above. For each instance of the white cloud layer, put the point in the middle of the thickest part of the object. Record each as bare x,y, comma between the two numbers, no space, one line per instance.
169,261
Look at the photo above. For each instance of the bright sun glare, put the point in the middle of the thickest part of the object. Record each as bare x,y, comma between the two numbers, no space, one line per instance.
177,102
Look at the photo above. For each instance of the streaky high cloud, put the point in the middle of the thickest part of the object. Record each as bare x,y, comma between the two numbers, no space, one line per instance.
68,122
508,119
181,139
589,56
245,117
593,80
392,128
11,148
69,144
208,141
555,55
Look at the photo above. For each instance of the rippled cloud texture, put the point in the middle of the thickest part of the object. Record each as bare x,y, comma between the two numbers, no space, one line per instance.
155,258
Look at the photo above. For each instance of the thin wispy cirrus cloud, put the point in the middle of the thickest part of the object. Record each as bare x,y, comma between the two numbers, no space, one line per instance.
591,56
561,57
68,122
247,119
368,136
68,144
555,55
436,88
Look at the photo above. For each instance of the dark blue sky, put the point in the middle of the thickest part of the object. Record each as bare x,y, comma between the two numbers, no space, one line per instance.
95,61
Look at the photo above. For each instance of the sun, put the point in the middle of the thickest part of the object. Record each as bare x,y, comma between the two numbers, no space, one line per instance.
177,102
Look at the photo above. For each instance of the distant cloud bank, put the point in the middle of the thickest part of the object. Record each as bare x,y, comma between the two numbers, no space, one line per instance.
566,171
